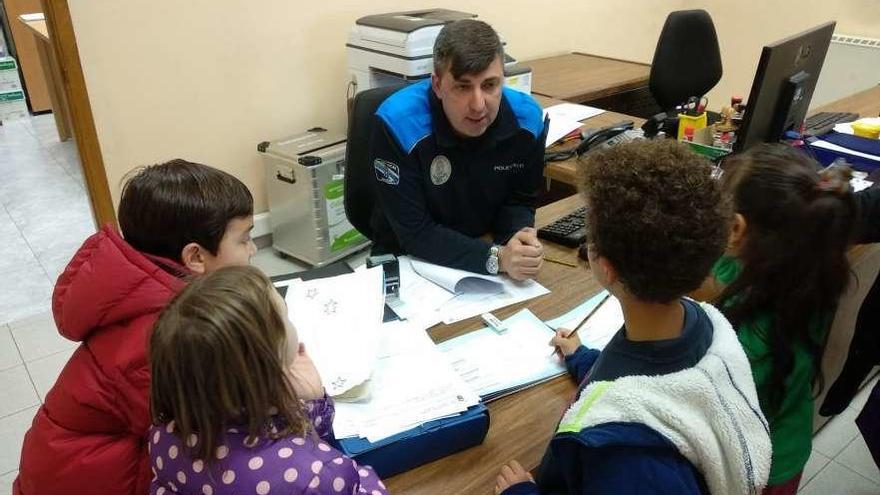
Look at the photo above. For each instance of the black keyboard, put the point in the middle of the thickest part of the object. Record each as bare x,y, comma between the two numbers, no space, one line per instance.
823,122
570,230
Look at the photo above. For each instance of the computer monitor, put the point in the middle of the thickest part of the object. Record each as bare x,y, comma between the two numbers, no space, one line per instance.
783,86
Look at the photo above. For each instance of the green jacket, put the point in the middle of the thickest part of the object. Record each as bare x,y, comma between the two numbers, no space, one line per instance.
791,426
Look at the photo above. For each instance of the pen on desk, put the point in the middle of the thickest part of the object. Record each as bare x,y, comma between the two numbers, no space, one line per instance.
560,262
585,318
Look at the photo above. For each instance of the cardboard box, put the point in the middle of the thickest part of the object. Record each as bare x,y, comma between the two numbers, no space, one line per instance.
9,78
12,105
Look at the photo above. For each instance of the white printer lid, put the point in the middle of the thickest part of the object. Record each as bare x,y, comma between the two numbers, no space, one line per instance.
408,34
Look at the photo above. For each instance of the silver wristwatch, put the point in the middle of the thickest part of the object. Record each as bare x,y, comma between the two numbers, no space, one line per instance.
494,260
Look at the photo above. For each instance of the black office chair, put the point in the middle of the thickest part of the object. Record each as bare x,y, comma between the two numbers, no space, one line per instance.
687,62
360,181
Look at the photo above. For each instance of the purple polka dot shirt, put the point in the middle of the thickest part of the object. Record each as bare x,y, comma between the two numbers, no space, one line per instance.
291,465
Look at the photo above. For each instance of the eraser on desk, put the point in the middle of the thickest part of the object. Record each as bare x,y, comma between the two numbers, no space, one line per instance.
494,323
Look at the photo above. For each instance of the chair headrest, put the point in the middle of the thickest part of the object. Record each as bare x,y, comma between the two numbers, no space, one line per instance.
687,60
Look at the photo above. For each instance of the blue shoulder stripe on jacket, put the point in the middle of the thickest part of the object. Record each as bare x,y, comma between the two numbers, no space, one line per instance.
528,113
407,114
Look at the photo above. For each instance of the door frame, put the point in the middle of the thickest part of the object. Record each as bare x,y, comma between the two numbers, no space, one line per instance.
61,34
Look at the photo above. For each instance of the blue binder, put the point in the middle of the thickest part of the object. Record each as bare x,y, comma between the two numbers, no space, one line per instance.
422,444
853,143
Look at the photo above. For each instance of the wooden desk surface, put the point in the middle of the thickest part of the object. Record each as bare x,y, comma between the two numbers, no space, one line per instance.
865,103
521,424
38,27
580,77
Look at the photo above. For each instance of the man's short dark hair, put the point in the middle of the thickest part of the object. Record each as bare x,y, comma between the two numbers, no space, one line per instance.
467,46
655,212
166,206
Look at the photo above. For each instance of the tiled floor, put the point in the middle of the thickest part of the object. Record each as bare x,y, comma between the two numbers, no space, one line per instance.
44,218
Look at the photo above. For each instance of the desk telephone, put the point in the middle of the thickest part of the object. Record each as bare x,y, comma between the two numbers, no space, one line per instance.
604,137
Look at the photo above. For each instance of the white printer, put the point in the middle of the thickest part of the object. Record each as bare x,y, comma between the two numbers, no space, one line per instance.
397,47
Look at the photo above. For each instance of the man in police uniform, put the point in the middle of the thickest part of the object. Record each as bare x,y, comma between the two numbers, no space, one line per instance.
459,157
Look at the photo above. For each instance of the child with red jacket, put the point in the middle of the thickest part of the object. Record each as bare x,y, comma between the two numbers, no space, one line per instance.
178,220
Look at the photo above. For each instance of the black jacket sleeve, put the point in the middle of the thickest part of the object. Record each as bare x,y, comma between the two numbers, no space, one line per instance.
869,210
402,199
519,209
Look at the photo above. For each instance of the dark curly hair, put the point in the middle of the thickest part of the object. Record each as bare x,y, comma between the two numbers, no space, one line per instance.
654,211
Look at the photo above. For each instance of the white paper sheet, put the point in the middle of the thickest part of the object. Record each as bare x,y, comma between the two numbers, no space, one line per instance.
559,128
465,306
860,184
428,303
840,149
338,319
572,111
596,332
458,281
493,364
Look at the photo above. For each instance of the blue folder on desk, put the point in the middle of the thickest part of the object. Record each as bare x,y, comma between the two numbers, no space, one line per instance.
862,153
422,444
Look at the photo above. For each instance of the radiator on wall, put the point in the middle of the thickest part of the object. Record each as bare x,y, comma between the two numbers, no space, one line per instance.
851,65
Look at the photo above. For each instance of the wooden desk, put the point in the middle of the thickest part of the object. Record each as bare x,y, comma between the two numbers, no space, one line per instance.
54,77
581,78
521,424
865,103
566,171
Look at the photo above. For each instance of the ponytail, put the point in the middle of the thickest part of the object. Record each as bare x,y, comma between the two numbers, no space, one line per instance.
793,256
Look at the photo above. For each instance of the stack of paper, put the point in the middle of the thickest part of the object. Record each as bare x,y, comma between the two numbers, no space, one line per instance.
458,281
412,384
565,118
496,364
431,293
338,320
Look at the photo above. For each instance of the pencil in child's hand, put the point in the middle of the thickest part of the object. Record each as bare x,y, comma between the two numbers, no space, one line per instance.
585,318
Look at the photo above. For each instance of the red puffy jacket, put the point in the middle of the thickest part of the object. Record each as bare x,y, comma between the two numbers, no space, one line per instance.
89,436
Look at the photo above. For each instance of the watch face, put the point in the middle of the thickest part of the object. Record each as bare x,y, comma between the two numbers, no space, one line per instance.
492,265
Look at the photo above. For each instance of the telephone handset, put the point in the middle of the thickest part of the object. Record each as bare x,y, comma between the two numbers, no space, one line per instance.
620,132
607,136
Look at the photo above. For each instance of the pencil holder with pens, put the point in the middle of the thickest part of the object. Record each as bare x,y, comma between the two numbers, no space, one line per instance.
695,122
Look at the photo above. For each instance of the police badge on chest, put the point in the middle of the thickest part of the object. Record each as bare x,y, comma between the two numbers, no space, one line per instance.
441,170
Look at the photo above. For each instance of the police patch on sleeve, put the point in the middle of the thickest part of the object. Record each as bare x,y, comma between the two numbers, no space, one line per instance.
441,170
386,171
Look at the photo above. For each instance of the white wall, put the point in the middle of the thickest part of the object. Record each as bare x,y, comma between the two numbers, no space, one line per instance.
207,80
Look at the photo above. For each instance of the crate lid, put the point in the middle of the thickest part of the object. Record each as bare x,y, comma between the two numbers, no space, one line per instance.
303,144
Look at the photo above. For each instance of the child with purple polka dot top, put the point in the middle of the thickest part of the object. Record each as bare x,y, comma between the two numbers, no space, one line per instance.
238,406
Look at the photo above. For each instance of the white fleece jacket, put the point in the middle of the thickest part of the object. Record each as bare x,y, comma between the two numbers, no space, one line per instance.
709,412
